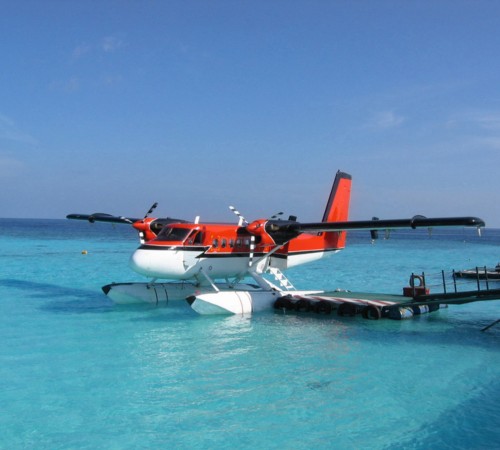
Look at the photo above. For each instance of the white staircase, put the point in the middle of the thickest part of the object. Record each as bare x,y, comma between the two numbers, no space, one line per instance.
279,276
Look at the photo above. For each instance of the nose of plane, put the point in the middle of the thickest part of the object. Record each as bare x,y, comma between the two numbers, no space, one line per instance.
139,262
154,263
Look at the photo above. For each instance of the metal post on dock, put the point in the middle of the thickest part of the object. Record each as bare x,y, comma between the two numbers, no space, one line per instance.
444,281
477,279
486,278
454,280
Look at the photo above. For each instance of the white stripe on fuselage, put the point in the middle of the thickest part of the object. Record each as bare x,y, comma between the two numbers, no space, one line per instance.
181,264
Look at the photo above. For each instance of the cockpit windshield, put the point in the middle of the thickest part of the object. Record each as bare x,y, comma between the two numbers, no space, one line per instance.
172,234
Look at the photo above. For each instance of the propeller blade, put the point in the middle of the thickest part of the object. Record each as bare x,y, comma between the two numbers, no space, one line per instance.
153,207
242,220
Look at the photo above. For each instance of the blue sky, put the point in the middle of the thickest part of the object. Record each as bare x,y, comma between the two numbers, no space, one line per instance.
110,106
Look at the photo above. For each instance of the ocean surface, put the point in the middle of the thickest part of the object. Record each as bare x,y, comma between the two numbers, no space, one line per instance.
78,372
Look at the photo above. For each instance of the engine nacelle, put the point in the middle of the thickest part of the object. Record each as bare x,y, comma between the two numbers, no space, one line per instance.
258,228
148,228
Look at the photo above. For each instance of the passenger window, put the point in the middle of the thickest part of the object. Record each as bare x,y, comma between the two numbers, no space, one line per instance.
231,243
215,243
224,243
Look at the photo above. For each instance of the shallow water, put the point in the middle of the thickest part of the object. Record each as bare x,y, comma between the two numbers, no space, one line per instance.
77,371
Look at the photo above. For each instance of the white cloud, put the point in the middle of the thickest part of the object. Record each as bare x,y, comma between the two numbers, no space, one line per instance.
10,167
484,120
72,84
111,44
488,121
10,132
81,51
384,120
490,142
107,44
111,80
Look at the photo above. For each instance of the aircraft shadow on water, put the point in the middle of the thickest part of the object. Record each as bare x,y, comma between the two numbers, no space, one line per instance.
59,298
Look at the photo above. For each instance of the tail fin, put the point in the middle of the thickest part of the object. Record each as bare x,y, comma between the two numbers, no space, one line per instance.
337,208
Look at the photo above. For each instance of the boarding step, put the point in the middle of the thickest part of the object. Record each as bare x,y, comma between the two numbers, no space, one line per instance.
280,277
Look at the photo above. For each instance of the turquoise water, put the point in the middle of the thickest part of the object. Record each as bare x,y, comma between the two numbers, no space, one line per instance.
77,371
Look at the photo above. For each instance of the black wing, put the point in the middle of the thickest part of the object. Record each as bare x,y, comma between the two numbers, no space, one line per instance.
284,230
102,217
156,225
392,224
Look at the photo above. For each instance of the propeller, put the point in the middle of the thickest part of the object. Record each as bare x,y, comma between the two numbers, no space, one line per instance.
153,207
241,220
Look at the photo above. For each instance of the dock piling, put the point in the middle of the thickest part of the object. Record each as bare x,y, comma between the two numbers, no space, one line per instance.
490,325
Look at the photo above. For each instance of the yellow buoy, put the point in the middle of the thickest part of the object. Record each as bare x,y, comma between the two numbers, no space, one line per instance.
84,252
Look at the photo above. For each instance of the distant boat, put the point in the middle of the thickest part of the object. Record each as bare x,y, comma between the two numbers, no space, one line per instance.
481,273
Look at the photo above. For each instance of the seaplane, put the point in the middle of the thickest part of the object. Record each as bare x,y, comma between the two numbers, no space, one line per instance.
208,265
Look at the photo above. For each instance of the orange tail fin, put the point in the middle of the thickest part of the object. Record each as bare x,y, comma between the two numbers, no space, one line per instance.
337,208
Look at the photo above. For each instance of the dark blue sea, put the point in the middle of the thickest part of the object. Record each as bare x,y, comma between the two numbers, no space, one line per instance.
78,372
